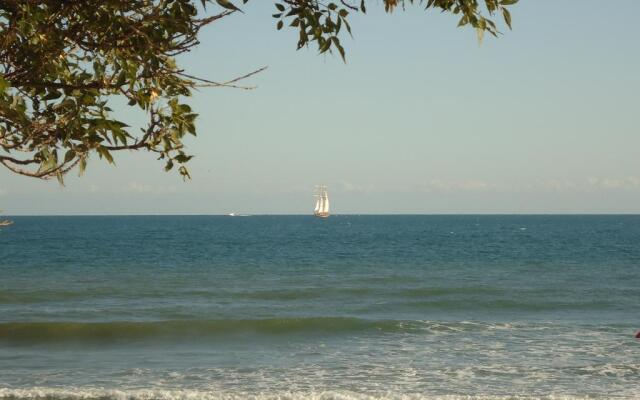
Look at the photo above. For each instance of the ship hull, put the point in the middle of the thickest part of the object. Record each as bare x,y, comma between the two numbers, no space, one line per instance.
321,215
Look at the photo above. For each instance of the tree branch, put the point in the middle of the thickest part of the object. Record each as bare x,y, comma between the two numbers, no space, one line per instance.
228,84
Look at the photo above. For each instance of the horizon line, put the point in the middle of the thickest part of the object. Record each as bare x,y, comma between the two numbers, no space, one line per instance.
337,215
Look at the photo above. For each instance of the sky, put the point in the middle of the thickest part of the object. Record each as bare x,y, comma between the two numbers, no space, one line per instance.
422,119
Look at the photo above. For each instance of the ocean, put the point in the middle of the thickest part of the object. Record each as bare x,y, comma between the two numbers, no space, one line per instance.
295,307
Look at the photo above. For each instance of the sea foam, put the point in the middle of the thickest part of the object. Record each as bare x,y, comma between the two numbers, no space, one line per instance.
74,393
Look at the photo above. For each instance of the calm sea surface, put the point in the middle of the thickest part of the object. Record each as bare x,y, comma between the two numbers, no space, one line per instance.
349,307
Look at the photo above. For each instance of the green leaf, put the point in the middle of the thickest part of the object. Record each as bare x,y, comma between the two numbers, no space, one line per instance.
103,152
4,84
184,172
53,94
325,46
336,41
182,158
507,17
69,155
228,5
121,79
82,166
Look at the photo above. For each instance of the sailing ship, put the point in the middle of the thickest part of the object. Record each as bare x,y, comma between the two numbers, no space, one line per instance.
322,202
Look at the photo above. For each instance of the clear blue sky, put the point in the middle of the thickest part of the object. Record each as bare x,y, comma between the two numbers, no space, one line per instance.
420,120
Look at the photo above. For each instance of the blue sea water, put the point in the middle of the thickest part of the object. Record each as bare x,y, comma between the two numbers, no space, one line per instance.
349,307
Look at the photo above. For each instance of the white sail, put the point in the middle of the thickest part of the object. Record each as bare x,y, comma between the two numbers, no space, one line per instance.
317,208
325,203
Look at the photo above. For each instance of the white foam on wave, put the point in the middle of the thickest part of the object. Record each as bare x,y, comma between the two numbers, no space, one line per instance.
439,327
610,369
168,394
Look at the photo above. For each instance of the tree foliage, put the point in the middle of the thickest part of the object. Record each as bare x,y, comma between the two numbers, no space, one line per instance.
63,63
322,22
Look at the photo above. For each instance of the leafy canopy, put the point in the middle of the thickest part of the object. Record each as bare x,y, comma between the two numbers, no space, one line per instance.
62,63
